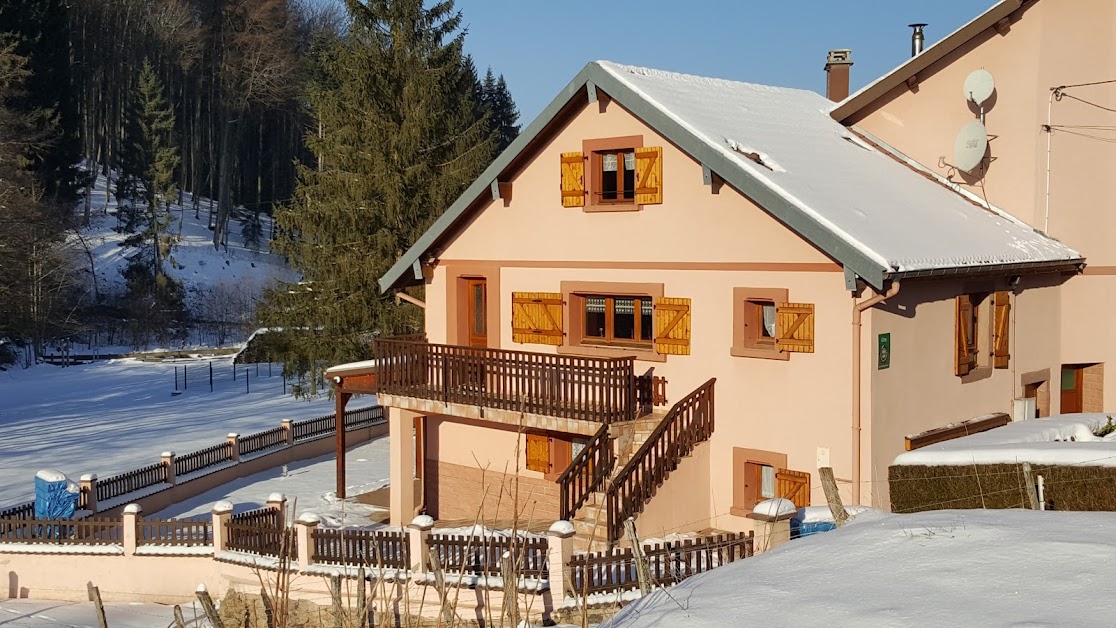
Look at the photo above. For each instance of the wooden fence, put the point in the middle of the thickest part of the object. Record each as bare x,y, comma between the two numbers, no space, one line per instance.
588,470
74,531
261,531
202,458
369,548
124,483
22,511
481,554
669,563
276,437
180,532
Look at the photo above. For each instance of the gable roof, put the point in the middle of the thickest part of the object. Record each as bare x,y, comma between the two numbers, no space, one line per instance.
912,66
875,216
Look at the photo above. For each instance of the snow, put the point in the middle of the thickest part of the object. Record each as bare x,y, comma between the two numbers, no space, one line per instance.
942,568
562,528
24,613
363,365
775,508
154,549
133,509
60,548
423,522
276,497
114,416
822,514
1065,439
50,475
890,213
308,486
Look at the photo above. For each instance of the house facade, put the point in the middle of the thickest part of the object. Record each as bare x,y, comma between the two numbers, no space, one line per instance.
673,297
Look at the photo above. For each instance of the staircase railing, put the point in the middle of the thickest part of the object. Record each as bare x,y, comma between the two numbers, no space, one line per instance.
688,423
586,473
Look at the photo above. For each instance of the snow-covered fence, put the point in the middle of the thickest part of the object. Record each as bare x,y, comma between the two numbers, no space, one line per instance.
180,532
67,531
369,548
669,562
202,458
124,483
480,554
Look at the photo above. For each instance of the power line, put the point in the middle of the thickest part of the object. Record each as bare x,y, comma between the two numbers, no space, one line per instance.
1087,102
1061,87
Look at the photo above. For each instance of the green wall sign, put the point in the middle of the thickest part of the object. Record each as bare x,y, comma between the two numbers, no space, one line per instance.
883,352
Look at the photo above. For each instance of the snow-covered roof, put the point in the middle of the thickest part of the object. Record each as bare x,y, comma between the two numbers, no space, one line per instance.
874,215
892,214
1066,439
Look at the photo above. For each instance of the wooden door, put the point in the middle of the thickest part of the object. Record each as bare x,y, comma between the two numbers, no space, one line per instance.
1072,380
476,294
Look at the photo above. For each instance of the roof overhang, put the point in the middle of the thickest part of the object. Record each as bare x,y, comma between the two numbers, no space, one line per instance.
910,68
1073,266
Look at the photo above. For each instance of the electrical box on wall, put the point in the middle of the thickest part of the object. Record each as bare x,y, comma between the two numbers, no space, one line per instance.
823,457
1024,409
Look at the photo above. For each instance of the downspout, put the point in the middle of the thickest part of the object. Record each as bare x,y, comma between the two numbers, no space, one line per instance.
858,308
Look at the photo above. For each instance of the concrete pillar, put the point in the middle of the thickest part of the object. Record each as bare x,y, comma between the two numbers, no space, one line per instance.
88,484
234,444
131,528
560,540
278,501
222,515
401,427
418,537
288,429
304,530
168,462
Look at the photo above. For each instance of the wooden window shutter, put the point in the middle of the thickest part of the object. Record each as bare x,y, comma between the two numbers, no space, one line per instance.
538,453
649,175
537,318
573,180
794,327
793,485
672,326
1001,348
963,359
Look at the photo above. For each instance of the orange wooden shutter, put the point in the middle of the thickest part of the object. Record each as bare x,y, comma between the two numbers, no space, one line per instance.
793,485
794,327
537,318
538,453
573,180
649,175
962,358
1001,348
672,326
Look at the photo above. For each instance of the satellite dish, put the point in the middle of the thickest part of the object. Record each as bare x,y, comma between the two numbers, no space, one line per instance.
970,146
979,85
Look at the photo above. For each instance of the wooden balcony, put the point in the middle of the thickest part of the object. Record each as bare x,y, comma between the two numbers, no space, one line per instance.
543,390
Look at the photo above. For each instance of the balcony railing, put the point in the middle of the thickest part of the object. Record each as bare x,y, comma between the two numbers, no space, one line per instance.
601,390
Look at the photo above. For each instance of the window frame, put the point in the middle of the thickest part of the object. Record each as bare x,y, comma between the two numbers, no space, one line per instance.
574,293
609,339
747,480
593,151
982,314
748,340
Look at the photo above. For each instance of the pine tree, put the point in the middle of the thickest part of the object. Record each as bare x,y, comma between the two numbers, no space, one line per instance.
398,139
503,121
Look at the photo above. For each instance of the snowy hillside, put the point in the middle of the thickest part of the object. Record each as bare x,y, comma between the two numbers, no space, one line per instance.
198,265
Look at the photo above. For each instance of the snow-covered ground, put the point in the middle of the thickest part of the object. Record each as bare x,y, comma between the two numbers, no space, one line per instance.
43,613
1067,439
308,486
942,568
199,266
119,415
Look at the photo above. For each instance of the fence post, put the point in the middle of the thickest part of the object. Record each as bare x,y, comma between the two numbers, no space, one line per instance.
222,515
288,430
234,443
278,501
304,530
559,552
89,489
168,463
418,536
131,528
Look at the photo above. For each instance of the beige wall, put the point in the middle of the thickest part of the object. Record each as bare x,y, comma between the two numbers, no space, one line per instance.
682,503
920,391
1050,43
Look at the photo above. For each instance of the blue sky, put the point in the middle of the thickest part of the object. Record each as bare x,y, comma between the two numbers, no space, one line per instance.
540,45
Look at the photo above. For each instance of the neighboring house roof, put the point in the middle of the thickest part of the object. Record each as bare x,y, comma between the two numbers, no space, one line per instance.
911,67
877,217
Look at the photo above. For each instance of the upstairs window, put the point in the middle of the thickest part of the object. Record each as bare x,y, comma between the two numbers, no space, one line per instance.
612,174
617,176
617,320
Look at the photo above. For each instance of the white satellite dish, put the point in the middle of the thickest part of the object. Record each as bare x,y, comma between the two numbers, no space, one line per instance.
979,86
970,146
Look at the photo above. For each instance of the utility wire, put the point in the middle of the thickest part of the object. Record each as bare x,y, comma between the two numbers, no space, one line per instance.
1061,87
1088,102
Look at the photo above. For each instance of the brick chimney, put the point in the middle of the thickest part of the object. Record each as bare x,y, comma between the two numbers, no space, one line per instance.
837,64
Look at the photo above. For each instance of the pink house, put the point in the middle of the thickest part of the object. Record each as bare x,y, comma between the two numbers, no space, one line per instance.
675,296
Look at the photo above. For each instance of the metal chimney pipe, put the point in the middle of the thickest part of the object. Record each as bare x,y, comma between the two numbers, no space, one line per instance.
917,39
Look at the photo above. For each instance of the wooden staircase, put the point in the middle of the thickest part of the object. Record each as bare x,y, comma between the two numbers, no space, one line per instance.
637,457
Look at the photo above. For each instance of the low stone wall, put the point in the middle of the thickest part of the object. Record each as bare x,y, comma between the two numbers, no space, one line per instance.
917,488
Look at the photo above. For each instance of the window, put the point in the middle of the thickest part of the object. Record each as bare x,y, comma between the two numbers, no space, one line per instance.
549,455
617,175
617,319
981,333
766,325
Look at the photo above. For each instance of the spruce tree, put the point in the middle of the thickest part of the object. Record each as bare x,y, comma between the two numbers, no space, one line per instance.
503,117
397,140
